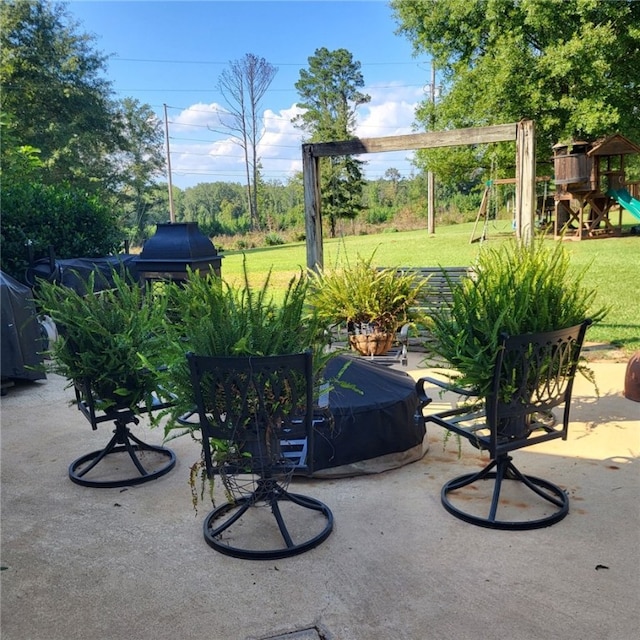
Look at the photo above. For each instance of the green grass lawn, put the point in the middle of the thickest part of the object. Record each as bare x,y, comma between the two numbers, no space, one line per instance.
613,266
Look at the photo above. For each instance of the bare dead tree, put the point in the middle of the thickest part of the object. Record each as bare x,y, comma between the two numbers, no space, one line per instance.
243,85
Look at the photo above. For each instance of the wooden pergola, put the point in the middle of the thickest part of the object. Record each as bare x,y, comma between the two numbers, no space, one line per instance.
523,133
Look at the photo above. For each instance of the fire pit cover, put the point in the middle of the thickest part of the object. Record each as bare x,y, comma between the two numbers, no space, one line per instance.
379,421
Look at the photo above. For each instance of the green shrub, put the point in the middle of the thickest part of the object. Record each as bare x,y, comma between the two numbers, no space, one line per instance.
378,215
112,339
74,223
273,239
215,318
360,294
242,243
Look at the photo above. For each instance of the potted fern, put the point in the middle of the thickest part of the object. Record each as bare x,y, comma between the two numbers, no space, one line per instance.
212,317
517,288
372,303
110,341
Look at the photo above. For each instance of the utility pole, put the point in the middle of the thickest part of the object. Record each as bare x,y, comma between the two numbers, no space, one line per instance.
172,213
431,183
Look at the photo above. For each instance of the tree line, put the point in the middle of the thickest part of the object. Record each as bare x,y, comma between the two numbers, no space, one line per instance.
222,208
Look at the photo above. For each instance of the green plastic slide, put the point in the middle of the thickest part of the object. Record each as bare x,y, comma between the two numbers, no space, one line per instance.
624,199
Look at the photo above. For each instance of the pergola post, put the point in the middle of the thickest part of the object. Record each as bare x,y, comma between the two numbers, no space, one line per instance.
313,216
525,180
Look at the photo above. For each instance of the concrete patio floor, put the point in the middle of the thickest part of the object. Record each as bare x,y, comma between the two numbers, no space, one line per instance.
132,564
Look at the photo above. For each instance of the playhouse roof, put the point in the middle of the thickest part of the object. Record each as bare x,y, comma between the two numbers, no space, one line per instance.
573,143
613,145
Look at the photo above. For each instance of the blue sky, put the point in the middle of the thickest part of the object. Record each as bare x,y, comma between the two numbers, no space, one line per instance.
174,52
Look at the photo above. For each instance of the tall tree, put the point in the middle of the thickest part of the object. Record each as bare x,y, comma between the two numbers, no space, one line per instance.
570,65
139,163
329,97
243,85
55,94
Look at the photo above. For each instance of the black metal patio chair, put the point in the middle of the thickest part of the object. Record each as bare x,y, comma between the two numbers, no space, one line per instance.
258,411
109,467
533,374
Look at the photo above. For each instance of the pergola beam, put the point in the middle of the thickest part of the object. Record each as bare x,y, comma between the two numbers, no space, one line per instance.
430,140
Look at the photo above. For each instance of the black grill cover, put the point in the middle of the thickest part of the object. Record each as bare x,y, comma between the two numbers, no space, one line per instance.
74,272
20,332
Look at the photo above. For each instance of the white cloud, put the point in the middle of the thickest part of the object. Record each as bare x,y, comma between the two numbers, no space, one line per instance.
389,113
197,115
200,153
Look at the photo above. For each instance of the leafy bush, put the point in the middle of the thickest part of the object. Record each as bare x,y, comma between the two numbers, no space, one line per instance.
242,243
209,316
273,239
74,223
378,215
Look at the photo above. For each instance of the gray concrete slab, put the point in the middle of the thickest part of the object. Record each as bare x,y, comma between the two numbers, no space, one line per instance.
131,563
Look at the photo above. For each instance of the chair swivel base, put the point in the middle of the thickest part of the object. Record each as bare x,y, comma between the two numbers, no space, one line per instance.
123,441
218,522
505,470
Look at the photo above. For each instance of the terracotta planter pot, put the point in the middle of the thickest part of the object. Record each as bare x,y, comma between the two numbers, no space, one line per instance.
632,378
371,344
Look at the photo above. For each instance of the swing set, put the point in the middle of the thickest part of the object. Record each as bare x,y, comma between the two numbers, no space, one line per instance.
489,206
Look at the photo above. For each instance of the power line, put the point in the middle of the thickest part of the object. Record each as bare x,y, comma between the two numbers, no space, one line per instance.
276,64
203,90
277,146
282,133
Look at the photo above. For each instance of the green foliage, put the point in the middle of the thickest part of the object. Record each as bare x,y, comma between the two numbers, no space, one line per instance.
378,215
112,339
221,208
517,289
52,85
56,100
273,239
76,224
361,294
18,162
213,317
570,66
140,162
217,207
341,186
330,93
329,97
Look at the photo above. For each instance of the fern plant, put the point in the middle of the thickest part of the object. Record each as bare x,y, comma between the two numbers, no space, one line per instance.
518,288
360,294
112,340
209,316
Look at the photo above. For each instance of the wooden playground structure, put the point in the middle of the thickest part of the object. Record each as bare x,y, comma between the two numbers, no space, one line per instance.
590,185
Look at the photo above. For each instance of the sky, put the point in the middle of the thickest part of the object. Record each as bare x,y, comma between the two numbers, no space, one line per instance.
172,53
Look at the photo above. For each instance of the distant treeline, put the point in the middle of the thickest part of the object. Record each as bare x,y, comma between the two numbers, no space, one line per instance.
221,208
